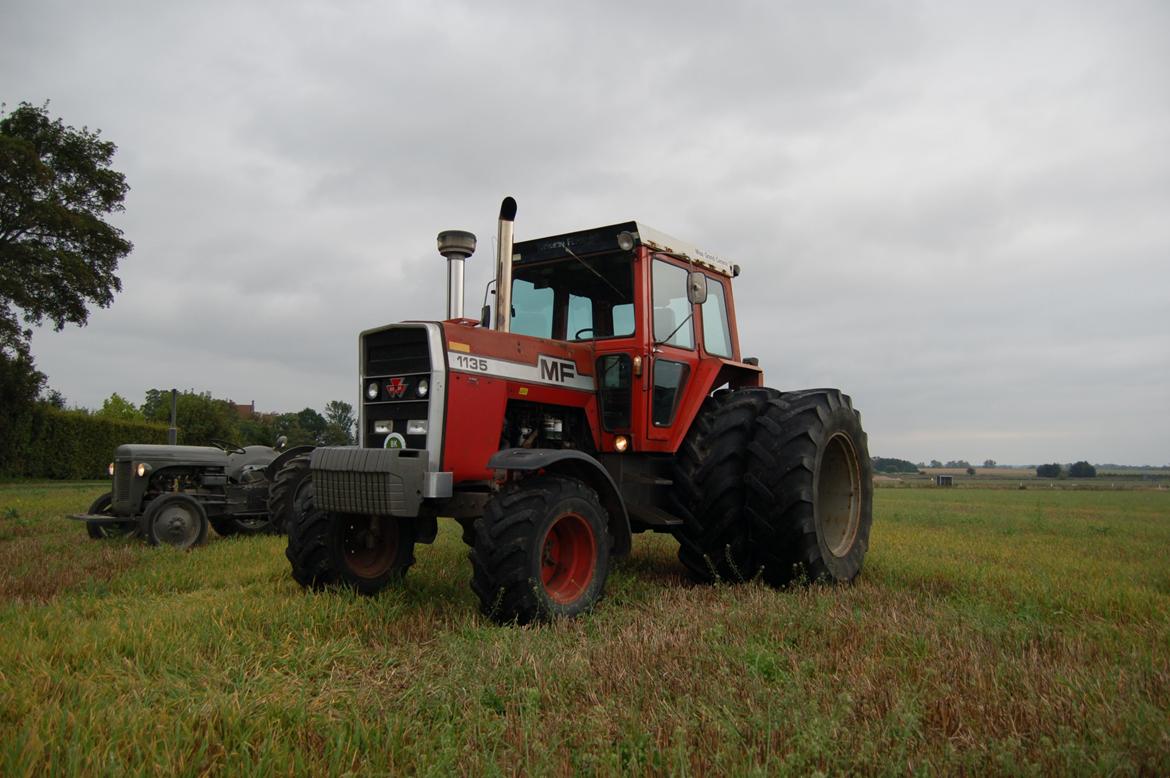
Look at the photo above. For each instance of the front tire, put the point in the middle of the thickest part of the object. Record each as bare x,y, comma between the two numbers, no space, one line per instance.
101,506
175,519
810,495
541,551
364,553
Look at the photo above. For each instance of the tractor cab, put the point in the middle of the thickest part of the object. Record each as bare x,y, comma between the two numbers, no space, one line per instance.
654,314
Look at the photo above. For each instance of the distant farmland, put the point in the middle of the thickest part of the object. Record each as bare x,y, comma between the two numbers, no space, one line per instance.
993,631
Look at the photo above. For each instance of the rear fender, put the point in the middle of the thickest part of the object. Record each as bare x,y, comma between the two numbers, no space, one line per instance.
274,466
579,465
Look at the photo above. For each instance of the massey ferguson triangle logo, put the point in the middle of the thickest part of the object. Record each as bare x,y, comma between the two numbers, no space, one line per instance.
396,387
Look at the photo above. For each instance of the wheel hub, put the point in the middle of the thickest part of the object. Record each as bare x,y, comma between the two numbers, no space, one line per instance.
568,558
369,544
839,495
177,526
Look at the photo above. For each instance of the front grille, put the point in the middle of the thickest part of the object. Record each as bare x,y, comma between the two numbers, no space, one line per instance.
396,361
123,475
397,351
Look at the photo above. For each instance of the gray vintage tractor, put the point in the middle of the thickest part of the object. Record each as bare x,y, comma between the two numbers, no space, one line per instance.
170,494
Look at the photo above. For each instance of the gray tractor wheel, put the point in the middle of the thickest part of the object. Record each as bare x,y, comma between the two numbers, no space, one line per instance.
284,491
810,488
175,519
104,531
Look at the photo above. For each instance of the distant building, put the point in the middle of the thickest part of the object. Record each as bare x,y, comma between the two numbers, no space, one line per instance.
243,411
944,480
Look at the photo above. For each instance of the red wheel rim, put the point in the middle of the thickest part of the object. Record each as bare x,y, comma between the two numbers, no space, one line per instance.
568,557
369,544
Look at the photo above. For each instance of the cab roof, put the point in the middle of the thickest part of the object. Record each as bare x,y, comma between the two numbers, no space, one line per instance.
605,239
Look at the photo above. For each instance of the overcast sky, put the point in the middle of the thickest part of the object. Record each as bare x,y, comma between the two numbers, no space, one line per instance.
957,213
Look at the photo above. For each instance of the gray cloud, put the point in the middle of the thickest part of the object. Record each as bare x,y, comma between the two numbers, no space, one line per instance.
956,213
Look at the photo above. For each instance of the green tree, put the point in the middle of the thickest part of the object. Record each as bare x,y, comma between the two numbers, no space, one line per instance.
257,431
289,425
339,424
118,407
313,424
1048,471
20,383
200,417
1082,469
989,463
57,252
892,465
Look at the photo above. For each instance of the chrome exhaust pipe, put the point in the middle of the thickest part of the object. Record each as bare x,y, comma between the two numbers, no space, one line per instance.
504,266
456,246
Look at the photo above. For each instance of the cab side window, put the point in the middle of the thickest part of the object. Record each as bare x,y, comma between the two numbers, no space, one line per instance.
716,332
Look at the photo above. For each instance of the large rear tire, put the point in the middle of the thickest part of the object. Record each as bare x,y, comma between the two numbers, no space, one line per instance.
541,551
101,506
364,553
714,540
810,488
285,488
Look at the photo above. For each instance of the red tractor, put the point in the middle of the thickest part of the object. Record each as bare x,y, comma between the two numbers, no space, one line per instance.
607,395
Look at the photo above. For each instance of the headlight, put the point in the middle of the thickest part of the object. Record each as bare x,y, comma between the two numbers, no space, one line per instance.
383,427
143,469
372,390
111,469
416,427
423,387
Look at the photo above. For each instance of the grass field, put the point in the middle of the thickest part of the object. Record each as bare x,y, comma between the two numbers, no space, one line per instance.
993,631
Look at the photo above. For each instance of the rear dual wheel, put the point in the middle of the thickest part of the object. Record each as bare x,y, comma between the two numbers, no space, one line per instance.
714,542
775,485
810,488
541,551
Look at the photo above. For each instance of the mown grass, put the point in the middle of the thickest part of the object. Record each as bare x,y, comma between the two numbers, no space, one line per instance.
1018,632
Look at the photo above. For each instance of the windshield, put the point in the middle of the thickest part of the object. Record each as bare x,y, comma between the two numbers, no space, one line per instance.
575,299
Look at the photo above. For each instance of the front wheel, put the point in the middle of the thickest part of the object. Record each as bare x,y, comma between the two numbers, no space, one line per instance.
810,488
175,519
365,553
541,551
102,531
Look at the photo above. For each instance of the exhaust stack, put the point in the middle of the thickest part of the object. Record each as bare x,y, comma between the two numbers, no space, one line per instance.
456,246
504,266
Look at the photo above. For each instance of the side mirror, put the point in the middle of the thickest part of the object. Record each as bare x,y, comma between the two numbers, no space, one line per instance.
697,288
281,442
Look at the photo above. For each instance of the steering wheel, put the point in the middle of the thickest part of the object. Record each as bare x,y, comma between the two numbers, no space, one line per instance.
228,448
583,329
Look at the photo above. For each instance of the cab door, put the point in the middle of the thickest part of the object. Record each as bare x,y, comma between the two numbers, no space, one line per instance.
672,358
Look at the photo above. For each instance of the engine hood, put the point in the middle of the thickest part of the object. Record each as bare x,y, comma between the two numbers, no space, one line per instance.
168,455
